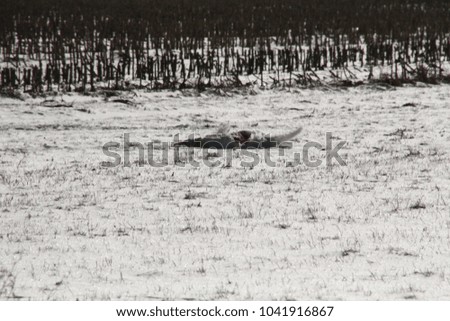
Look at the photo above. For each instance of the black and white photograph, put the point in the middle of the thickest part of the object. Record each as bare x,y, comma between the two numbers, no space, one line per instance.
212,150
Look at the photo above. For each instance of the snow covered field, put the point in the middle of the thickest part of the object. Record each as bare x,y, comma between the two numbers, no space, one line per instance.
378,228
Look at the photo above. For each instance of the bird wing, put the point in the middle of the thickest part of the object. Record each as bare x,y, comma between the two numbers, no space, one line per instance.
278,139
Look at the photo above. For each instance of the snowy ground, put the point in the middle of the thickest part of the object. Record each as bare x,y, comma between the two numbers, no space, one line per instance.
378,228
